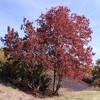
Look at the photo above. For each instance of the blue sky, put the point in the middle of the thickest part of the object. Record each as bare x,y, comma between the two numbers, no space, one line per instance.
12,12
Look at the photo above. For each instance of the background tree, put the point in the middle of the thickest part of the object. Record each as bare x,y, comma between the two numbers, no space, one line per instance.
60,43
98,62
96,74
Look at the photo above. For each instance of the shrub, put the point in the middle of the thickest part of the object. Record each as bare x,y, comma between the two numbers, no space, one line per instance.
87,80
35,81
96,76
96,72
96,83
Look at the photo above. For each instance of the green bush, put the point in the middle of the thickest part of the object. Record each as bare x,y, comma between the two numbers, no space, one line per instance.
37,81
87,80
96,72
34,80
96,76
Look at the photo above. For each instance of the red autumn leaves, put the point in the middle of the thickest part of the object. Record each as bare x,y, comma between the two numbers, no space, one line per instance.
60,42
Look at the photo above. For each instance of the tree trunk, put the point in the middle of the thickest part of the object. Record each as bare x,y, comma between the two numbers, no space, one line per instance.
58,84
54,80
57,87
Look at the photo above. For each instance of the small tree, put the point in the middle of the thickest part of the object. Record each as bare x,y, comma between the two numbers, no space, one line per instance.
60,43
24,58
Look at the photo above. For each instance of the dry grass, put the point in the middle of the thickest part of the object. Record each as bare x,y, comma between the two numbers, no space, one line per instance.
2,57
80,95
9,93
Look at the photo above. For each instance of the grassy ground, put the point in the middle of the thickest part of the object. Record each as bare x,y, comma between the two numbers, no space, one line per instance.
81,95
9,93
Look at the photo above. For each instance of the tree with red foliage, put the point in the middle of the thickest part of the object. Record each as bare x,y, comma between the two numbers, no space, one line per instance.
66,35
60,43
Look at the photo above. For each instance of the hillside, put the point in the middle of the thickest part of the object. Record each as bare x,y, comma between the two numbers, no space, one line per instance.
71,90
